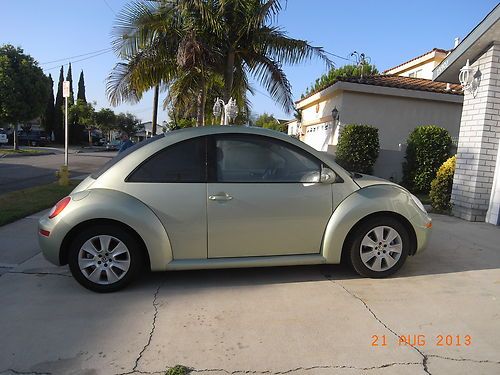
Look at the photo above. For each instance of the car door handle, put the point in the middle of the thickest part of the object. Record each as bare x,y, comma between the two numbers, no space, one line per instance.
220,197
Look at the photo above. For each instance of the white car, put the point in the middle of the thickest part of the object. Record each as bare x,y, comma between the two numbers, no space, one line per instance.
3,138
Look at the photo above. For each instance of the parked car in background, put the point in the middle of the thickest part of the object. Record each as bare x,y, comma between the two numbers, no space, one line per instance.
114,145
228,197
32,138
3,137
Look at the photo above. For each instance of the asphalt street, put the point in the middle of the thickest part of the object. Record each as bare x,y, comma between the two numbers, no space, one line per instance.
439,315
27,171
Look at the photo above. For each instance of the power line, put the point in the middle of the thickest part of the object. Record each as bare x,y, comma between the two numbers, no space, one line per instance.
339,57
74,57
109,6
86,58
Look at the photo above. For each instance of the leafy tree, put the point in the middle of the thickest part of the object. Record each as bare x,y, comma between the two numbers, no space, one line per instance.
58,109
48,116
81,88
128,123
105,120
81,116
346,71
269,122
24,89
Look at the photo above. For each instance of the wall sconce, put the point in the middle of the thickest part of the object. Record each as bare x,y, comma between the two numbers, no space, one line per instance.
335,116
468,80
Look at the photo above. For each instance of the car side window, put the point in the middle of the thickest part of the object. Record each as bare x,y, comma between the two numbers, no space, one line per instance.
253,158
181,162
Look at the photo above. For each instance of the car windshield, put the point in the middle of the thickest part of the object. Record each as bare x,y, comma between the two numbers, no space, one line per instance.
123,154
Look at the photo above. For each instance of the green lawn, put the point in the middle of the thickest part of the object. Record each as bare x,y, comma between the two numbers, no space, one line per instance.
10,151
21,203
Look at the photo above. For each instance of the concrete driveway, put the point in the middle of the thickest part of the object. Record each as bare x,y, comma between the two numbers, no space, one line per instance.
295,320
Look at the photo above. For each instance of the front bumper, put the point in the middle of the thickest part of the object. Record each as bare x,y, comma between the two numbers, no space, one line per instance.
422,224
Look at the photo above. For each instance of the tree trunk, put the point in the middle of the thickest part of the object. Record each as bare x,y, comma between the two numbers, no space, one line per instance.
14,139
155,109
90,137
229,75
200,107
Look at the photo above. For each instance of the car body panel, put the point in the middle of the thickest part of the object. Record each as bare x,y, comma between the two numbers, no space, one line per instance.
267,218
162,214
111,205
376,198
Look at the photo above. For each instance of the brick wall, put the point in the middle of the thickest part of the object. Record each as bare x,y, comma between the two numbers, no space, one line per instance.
478,141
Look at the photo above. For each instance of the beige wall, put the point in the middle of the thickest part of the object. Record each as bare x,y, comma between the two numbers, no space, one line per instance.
396,116
395,112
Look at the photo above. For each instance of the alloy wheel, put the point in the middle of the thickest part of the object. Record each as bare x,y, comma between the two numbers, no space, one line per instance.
104,259
381,248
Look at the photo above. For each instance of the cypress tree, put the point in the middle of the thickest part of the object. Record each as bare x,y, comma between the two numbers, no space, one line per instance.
58,110
48,117
81,88
69,77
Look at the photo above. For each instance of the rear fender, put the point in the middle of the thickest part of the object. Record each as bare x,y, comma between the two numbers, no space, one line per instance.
118,206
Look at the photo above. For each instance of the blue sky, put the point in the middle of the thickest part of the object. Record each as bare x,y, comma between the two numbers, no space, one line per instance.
389,32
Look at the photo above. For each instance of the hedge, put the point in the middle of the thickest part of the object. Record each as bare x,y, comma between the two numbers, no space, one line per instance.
441,186
427,148
358,148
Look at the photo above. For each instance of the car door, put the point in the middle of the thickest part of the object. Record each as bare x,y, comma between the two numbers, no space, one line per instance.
172,182
264,198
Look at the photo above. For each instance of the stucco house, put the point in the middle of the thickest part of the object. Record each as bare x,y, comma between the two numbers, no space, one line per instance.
475,63
394,104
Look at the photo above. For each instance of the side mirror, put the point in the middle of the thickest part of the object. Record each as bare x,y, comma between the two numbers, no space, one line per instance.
327,176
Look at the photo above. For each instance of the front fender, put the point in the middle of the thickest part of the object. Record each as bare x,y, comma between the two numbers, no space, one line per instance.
108,204
358,205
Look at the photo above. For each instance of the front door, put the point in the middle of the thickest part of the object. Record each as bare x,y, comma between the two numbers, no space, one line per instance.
265,198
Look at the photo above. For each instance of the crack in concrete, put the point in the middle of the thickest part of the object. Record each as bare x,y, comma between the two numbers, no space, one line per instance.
11,370
425,358
153,327
463,359
37,273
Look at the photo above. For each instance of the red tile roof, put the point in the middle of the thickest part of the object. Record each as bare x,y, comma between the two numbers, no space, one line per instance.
399,82
408,83
418,57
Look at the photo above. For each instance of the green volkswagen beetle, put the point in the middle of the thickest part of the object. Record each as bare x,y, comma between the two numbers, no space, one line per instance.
224,196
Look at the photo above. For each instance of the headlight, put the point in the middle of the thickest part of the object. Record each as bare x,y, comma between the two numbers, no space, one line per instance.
418,203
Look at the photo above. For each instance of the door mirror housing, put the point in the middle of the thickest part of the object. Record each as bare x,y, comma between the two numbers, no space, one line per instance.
327,176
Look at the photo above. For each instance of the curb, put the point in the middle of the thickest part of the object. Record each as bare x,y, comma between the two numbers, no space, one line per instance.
27,154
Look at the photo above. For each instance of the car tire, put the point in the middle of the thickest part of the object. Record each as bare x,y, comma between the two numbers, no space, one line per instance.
105,258
379,247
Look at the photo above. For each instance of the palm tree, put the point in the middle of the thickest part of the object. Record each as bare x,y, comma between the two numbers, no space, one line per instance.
189,46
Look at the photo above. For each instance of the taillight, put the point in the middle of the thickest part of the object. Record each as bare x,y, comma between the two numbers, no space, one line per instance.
57,209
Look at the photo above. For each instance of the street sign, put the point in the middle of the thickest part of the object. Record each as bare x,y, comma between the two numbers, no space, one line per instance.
66,89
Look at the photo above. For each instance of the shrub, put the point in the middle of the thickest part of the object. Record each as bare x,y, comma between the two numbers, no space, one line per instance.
441,186
427,148
358,148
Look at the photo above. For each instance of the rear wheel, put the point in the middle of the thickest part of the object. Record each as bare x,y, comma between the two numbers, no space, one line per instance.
379,247
105,258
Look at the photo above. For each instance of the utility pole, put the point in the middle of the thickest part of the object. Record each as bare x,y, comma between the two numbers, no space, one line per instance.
64,171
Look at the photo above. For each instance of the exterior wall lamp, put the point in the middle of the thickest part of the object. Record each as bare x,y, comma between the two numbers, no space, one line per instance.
335,116
468,80
230,110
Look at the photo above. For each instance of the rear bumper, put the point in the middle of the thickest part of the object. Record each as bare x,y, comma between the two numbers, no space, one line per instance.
50,243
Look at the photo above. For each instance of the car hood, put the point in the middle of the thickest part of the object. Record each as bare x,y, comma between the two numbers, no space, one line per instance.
364,180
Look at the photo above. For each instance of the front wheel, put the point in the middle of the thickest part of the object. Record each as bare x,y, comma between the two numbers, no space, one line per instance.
104,258
379,247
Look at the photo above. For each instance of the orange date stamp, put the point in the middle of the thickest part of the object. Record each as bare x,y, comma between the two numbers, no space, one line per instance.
421,340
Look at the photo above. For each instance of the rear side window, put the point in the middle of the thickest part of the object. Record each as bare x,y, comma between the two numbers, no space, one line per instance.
125,153
181,162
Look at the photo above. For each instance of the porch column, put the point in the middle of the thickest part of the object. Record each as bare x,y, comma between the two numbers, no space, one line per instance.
478,140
